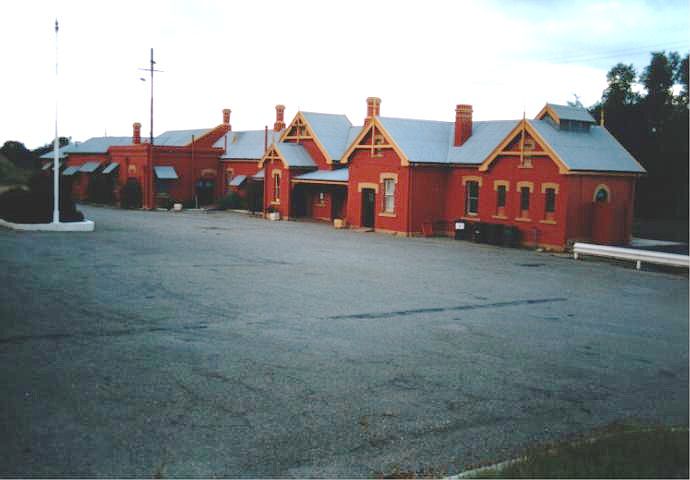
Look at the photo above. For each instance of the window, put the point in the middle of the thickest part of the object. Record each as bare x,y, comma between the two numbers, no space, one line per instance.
472,198
501,196
601,196
229,176
388,195
524,202
550,200
276,187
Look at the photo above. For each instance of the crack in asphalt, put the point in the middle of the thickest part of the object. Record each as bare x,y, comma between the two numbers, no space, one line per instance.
415,311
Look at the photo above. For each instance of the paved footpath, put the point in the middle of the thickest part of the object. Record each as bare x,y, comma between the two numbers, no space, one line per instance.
204,345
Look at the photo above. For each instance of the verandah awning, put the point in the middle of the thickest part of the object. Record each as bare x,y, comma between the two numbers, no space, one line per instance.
238,180
89,167
111,167
71,170
340,175
165,173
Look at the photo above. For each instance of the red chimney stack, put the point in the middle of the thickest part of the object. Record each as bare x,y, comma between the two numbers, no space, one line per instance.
280,120
136,133
463,124
226,118
373,108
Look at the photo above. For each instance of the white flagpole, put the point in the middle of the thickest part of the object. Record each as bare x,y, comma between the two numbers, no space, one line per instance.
56,145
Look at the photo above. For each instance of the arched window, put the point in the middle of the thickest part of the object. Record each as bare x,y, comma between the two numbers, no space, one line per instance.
602,194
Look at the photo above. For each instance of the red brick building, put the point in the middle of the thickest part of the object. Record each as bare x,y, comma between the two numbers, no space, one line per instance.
548,181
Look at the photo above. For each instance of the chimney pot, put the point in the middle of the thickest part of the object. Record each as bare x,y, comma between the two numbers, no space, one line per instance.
463,124
136,133
226,116
280,118
373,108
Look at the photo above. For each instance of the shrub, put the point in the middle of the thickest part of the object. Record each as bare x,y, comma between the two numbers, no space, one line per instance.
35,205
231,201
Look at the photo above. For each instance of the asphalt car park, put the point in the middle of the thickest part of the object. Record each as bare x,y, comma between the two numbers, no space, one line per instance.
183,344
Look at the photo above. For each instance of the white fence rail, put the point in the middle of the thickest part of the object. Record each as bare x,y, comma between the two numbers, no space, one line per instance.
634,255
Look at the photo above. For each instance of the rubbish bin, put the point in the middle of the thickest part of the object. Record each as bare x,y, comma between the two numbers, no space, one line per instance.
495,233
479,232
511,236
462,230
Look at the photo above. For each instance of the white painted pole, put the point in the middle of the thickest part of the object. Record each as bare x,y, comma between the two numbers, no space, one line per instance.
56,144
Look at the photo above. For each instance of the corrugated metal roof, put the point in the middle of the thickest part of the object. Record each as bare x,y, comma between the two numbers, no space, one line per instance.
165,173
96,145
335,132
238,180
71,170
486,135
259,175
295,155
339,175
245,145
566,112
61,153
111,167
596,150
179,138
89,167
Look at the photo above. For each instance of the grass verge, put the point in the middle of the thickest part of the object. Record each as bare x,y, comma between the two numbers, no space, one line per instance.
618,452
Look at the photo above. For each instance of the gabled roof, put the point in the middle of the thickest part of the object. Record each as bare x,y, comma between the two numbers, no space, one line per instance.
565,112
245,145
485,136
179,138
295,155
596,150
334,131
95,145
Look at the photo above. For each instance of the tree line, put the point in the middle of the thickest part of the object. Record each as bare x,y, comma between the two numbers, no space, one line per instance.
652,124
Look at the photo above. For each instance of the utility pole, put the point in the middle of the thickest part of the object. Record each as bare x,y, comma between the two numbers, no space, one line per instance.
151,70
149,182
56,144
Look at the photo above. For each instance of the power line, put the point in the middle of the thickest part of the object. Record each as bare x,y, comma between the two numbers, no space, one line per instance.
584,57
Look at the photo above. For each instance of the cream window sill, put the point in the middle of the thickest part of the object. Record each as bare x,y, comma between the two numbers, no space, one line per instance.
523,219
387,214
548,222
499,217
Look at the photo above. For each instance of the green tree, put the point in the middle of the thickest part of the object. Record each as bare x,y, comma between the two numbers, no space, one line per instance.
619,91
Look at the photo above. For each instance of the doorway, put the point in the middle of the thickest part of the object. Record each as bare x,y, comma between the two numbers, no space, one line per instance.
368,203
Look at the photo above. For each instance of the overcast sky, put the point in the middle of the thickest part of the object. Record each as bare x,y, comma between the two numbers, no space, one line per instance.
420,57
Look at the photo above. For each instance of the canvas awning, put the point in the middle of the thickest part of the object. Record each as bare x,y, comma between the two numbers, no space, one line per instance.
71,170
165,173
238,180
258,175
89,167
111,167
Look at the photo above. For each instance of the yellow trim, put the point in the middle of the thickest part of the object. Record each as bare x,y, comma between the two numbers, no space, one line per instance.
529,185
502,183
499,217
363,185
374,122
599,187
310,135
387,214
562,168
388,176
523,219
548,110
471,178
318,182
546,185
548,222
606,174
273,154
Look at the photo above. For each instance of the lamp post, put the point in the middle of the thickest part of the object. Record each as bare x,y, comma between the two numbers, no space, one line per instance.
56,144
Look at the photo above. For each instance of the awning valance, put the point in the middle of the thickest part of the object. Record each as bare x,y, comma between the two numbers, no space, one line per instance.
165,173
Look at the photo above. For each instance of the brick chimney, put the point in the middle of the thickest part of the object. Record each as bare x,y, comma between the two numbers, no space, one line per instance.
136,133
373,108
280,119
226,118
463,124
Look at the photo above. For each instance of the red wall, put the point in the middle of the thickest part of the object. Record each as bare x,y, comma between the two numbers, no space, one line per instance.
365,169
80,181
247,168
